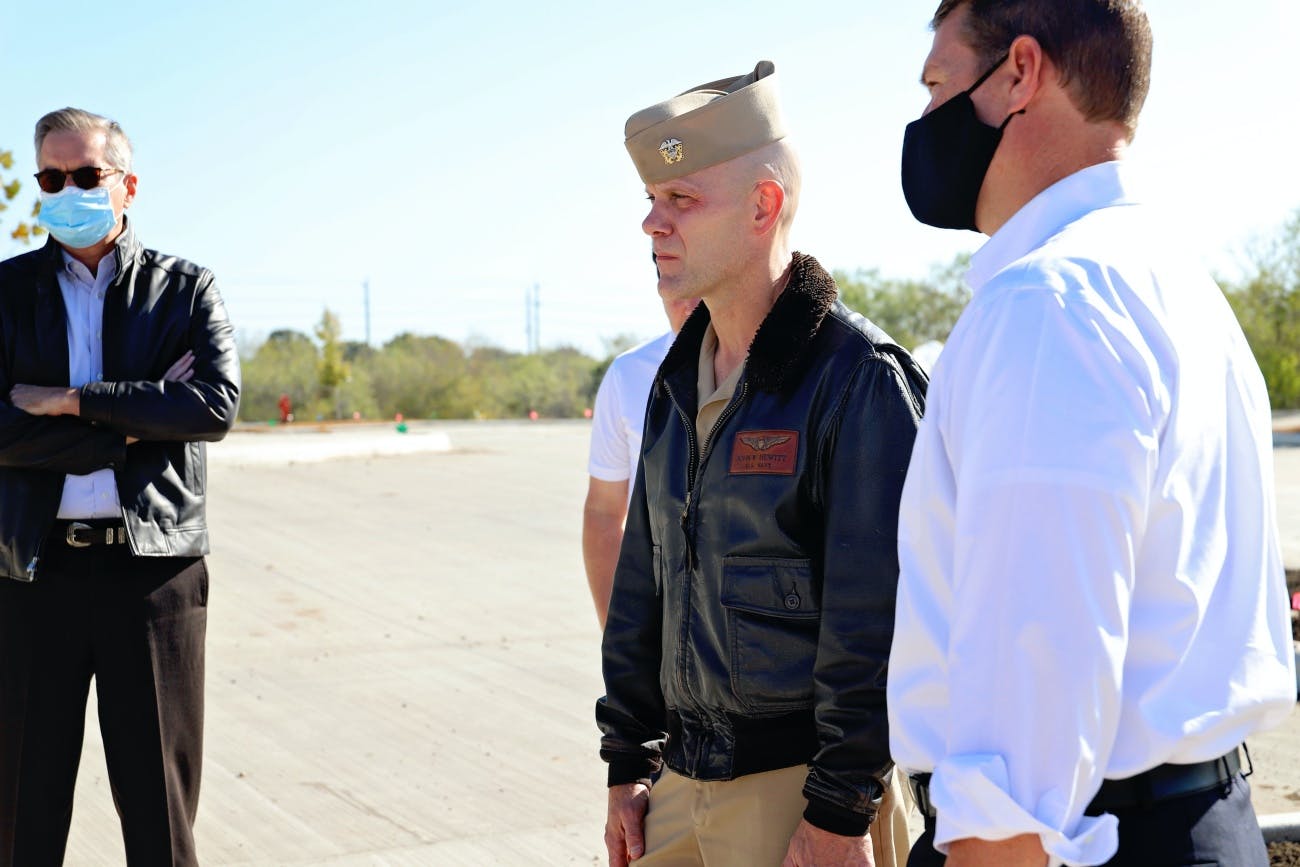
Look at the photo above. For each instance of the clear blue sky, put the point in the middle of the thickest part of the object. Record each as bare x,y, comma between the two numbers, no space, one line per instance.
456,153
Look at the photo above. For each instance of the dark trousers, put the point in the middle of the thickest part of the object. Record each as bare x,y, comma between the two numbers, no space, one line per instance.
1217,827
136,625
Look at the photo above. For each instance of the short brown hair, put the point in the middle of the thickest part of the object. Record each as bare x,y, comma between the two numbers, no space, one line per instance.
1102,48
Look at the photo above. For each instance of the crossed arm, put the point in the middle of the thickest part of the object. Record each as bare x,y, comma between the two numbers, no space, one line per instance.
58,400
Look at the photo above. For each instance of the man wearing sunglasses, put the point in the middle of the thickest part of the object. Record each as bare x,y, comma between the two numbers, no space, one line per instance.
1091,611
116,364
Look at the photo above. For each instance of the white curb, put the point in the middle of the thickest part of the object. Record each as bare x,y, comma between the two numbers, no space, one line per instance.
1280,827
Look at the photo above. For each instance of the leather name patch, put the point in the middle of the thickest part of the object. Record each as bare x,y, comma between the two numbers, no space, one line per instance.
771,452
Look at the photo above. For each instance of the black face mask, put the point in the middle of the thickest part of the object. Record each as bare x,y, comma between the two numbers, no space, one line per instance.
946,154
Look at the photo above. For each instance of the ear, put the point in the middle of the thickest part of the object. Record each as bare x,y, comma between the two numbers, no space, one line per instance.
769,202
129,182
1028,65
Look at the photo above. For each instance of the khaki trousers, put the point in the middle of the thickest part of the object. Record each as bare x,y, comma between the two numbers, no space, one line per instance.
748,821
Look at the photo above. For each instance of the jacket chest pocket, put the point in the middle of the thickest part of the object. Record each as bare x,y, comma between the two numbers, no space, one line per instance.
773,615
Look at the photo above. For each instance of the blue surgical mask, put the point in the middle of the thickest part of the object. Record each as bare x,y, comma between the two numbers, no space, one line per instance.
78,218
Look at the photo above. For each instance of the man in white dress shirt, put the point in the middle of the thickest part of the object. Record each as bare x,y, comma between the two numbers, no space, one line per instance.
615,448
1090,611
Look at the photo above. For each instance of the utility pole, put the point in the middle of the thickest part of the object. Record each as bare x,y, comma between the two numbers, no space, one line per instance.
533,317
537,318
366,287
528,320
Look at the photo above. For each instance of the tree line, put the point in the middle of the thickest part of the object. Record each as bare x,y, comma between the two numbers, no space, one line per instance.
1266,299
433,377
418,376
326,377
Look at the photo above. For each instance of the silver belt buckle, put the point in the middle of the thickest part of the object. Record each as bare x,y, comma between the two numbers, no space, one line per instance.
72,534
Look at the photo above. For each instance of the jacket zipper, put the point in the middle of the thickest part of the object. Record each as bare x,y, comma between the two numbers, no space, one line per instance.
33,563
685,520
693,465
725,416
682,667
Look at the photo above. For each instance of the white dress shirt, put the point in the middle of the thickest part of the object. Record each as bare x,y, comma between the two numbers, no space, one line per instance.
619,415
93,495
1091,583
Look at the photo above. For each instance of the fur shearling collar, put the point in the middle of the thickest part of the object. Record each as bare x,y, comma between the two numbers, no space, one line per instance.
786,332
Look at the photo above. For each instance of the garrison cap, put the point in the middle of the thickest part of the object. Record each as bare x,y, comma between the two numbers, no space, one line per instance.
706,125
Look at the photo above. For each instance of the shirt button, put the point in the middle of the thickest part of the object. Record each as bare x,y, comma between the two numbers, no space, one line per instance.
792,601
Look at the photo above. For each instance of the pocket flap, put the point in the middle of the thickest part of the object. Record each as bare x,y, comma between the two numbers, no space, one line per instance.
771,586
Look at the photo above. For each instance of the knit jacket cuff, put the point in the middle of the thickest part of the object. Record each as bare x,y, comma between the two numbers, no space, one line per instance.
836,819
632,769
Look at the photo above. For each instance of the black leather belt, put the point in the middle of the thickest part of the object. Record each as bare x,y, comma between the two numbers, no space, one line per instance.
1161,783
83,534
920,785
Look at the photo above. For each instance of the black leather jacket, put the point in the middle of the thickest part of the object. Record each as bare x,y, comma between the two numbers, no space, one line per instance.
156,308
753,602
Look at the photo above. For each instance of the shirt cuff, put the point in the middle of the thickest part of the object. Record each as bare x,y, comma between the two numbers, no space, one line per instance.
970,795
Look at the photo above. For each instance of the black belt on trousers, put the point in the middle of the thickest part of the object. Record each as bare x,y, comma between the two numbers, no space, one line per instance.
1161,783
87,532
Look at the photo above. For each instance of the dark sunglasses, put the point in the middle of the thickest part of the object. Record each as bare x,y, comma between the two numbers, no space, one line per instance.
86,177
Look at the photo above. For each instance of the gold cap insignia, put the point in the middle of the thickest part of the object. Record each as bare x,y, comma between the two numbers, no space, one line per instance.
671,151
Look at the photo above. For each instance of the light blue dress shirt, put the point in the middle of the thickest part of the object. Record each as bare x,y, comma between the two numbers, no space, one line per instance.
93,495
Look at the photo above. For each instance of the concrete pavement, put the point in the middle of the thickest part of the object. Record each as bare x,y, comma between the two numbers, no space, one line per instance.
402,658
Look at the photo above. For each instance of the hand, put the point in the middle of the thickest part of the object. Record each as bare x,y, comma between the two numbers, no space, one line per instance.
812,847
625,823
182,370
46,400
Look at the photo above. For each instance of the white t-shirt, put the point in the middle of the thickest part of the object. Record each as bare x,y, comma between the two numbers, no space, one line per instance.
1090,578
619,415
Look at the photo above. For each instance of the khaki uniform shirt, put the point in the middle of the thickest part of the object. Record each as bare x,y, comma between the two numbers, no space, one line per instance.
713,396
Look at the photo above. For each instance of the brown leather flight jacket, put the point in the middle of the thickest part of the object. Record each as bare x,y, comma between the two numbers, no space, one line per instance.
753,602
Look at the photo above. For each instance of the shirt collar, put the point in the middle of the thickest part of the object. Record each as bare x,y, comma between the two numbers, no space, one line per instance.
707,388
104,273
1053,209
704,383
